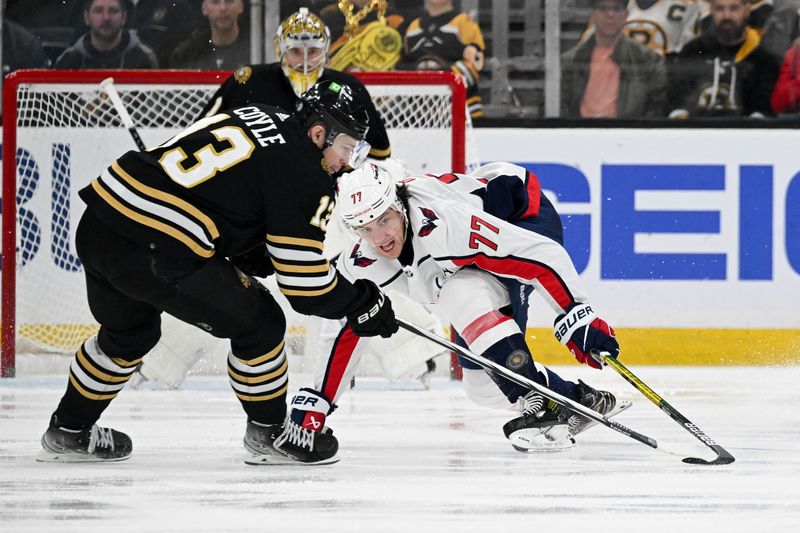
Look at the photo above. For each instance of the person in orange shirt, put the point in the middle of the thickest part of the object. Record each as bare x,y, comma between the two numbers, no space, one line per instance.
611,75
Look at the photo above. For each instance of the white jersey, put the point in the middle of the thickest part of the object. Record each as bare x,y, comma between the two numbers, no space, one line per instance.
451,231
665,26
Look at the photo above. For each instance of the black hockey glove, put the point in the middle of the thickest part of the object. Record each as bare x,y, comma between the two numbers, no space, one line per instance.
372,315
584,334
254,262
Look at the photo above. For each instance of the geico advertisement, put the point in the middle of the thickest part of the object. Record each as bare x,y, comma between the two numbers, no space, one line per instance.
684,229
672,228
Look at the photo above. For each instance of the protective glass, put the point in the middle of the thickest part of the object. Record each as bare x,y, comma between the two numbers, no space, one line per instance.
351,150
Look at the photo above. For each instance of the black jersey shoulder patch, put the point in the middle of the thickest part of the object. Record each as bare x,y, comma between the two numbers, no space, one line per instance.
243,74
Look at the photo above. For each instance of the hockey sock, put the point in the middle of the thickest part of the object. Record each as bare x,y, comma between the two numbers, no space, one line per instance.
561,386
512,353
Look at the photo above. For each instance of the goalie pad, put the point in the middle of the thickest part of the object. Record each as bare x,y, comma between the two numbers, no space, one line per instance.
404,355
180,347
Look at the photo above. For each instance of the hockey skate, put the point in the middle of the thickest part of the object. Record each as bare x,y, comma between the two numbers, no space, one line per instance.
289,444
600,401
89,445
541,428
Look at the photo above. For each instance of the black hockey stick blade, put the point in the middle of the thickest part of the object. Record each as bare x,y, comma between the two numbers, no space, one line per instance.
525,382
723,456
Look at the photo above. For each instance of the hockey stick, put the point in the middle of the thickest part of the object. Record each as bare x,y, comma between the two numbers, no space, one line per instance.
108,87
723,457
525,382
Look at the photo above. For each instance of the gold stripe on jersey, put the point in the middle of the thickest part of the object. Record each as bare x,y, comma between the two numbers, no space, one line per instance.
169,199
184,238
323,267
125,364
90,395
259,379
272,354
261,398
300,292
300,267
296,241
96,372
377,153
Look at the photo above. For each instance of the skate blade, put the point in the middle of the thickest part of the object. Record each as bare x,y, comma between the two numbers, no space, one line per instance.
621,406
542,440
279,460
45,456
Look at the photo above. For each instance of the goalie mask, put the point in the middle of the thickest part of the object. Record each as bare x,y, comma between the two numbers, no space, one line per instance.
365,194
335,106
301,46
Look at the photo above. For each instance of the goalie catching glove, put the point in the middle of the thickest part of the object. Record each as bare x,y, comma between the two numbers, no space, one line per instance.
372,315
585,334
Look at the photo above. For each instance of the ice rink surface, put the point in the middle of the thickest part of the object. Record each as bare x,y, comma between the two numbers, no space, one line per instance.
417,460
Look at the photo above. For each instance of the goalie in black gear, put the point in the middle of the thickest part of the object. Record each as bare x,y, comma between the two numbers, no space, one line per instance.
301,50
157,235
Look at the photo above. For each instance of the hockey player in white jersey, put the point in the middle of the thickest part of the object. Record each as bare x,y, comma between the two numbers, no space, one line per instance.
472,248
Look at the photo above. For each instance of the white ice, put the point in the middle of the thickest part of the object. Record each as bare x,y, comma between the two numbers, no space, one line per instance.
416,460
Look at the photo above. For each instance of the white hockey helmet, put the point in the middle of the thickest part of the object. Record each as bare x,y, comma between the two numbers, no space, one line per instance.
302,31
365,194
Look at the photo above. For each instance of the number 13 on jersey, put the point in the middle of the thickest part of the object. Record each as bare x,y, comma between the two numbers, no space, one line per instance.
320,218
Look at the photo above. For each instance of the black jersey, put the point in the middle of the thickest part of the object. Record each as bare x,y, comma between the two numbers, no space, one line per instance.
229,183
267,84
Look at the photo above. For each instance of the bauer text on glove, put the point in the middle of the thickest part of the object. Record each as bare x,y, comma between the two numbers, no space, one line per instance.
372,315
583,332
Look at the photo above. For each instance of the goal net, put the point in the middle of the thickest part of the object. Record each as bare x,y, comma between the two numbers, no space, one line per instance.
60,131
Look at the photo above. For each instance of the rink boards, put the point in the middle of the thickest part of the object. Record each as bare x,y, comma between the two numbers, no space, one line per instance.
688,240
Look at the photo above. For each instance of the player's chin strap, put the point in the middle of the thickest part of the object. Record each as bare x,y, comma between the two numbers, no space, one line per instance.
544,391
723,457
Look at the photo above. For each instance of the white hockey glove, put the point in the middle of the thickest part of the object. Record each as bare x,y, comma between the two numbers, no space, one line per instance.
309,408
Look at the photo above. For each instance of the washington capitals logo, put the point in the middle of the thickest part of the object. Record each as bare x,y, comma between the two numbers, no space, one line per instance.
428,225
358,259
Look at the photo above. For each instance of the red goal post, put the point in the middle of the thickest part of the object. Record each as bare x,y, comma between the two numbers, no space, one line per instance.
60,125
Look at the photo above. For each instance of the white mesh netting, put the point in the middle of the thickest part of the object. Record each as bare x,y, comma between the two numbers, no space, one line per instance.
68,133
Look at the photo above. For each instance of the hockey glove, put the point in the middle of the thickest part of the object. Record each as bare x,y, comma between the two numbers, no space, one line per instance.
254,262
309,409
372,315
583,333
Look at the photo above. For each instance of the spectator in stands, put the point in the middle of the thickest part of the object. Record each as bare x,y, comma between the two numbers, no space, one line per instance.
760,10
218,46
724,72
107,44
786,95
663,25
21,49
163,24
365,35
445,39
611,75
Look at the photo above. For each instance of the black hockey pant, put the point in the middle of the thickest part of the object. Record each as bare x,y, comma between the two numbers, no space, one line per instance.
128,291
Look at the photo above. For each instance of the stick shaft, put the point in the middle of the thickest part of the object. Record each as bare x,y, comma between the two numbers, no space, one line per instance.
525,382
108,87
722,455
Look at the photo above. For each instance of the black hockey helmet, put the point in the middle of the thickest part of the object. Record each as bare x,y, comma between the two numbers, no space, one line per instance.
334,105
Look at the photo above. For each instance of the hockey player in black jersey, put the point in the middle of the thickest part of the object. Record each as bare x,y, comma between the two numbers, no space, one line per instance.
301,47
181,228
